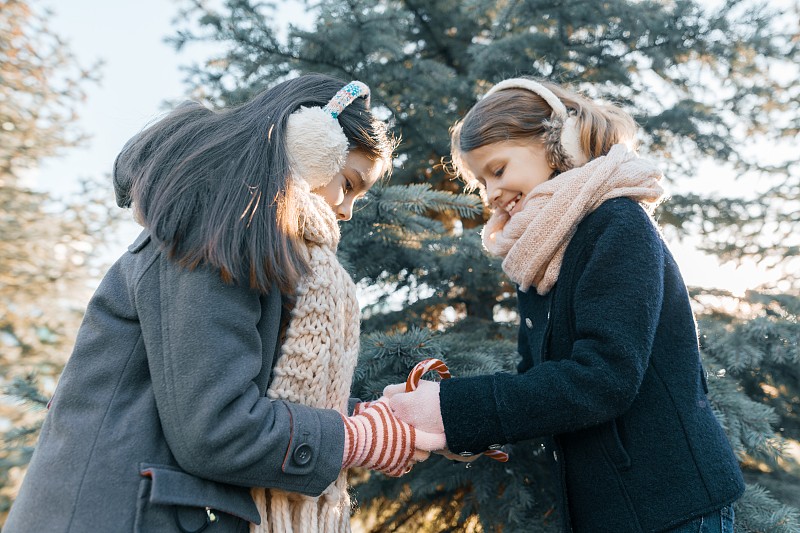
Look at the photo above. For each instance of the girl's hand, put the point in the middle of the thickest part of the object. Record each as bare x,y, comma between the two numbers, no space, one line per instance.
420,407
417,402
377,440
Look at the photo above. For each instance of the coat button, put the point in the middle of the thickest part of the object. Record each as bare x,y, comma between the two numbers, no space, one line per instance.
529,323
302,454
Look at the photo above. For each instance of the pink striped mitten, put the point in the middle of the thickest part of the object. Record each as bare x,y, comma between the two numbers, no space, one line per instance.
378,440
360,406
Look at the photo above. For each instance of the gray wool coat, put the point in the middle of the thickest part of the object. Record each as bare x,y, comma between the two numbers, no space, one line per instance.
160,420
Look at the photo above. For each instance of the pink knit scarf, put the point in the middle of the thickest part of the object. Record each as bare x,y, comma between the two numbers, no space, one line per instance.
534,240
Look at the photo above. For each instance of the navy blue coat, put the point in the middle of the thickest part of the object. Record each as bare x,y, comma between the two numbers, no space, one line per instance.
611,374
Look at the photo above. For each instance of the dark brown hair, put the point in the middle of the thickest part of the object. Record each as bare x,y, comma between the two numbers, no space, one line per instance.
213,186
519,114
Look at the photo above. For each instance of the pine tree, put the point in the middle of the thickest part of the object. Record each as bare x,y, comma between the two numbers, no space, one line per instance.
703,83
47,247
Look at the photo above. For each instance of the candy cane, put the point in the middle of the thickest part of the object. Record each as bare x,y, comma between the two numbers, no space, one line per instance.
424,366
428,365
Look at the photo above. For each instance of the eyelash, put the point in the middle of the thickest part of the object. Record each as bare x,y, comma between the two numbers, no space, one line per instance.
347,186
499,172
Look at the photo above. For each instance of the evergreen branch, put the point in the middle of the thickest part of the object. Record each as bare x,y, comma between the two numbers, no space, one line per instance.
26,390
757,511
420,197
445,51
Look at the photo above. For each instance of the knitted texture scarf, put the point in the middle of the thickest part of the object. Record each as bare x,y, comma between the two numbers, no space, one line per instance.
534,240
315,368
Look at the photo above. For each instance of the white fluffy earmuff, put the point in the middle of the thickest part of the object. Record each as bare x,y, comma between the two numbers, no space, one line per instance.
570,132
315,142
316,145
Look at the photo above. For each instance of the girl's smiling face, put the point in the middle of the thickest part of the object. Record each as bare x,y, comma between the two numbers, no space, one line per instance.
351,183
508,171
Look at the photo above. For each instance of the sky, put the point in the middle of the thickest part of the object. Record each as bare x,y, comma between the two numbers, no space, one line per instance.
141,72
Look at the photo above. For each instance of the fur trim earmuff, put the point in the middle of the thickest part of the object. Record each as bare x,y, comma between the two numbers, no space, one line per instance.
563,145
316,145
315,142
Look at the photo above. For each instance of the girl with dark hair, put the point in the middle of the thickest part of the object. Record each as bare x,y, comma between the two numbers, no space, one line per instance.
209,384
610,374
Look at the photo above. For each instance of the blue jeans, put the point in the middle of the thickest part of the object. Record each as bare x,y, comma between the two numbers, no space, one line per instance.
720,521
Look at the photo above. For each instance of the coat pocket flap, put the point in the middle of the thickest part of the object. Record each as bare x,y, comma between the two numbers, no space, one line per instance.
174,487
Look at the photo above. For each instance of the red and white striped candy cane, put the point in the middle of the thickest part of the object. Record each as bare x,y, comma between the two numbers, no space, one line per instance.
427,365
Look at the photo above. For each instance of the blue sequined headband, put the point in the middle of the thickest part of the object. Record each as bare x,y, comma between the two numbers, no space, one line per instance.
345,97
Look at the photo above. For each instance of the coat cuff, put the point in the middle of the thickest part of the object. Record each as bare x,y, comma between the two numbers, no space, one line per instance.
316,447
469,414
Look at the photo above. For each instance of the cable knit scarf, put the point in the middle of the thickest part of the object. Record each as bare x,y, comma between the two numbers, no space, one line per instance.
534,240
315,368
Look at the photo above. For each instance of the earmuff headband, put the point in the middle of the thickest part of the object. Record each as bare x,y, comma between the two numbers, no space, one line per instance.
345,96
570,130
537,88
316,144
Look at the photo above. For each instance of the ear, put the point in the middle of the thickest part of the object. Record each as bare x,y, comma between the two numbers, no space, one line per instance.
562,144
316,146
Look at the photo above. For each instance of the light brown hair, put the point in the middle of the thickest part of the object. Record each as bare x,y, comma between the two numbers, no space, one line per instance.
522,115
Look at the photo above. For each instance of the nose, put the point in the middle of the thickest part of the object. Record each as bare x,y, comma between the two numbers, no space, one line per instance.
493,194
345,211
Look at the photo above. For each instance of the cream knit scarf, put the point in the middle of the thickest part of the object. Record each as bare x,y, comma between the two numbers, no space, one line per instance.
534,240
315,368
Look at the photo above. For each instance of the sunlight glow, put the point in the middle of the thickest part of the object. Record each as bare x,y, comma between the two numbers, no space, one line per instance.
701,270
